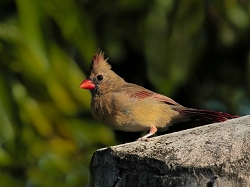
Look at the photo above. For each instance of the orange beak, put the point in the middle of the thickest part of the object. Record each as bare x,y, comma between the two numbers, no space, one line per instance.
87,84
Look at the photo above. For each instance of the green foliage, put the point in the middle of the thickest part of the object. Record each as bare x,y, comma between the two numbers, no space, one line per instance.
197,52
44,141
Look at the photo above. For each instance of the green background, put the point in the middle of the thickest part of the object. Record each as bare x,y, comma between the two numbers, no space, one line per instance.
196,52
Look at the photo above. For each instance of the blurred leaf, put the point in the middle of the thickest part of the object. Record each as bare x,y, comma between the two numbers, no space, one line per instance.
69,75
8,181
85,133
75,25
6,124
30,16
5,158
237,15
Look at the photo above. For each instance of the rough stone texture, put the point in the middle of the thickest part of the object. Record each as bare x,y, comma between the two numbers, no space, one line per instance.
212,155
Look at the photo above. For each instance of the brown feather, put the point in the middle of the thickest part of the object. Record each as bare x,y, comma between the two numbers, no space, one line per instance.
99,64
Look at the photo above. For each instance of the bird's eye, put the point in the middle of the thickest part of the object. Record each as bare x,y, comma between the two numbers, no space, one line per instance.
99,77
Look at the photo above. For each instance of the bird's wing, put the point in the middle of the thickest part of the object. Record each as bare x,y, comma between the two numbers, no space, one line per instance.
165,99
138,93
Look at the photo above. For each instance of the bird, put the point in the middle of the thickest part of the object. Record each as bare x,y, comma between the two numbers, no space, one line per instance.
129,107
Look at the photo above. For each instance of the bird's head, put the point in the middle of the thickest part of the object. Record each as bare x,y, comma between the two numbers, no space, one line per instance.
101,78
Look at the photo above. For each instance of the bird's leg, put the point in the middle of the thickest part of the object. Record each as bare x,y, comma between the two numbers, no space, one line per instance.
152,131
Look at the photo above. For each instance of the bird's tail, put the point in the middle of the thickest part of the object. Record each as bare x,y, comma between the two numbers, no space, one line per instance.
208,115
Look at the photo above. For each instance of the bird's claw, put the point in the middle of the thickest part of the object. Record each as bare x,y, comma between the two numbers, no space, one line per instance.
143,139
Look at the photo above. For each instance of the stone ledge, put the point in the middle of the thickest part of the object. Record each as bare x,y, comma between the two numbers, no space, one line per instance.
212,155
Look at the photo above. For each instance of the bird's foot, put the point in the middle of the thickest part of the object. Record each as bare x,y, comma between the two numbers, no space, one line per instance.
144,139
152,131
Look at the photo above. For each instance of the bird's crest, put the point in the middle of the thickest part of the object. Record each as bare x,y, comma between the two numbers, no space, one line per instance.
99,63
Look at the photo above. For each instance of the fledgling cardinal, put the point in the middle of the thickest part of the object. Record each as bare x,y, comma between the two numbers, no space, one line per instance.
130,107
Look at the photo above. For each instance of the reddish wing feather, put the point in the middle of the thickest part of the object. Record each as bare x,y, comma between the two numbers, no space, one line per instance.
159,97
141,94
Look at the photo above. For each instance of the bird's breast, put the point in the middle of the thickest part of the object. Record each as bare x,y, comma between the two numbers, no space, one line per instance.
126,114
